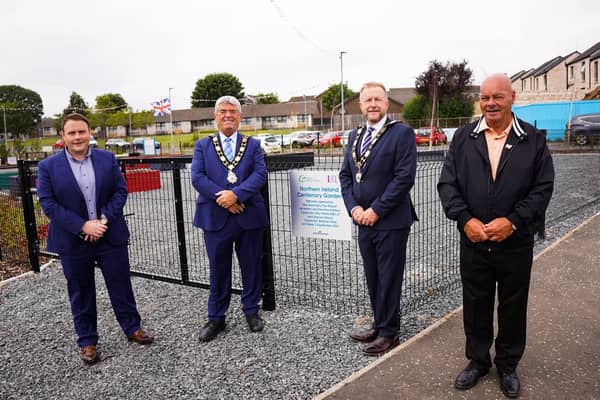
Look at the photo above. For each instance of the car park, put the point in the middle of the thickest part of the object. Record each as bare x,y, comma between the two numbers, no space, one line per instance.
425,134
329,139
303,138
583,129
119,145
271,144
345,136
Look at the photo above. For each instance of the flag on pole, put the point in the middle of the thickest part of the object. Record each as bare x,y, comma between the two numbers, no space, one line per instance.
162,107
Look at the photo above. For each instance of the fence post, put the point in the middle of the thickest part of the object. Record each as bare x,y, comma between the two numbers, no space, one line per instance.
181,244
29,215
268,286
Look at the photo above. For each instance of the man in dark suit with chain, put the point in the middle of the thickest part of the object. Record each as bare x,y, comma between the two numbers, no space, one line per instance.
376,177
228,171
83,193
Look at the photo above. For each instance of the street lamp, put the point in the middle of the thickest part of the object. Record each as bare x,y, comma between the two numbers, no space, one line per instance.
342,84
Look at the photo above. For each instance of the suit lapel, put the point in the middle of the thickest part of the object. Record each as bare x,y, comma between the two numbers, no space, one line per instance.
67,172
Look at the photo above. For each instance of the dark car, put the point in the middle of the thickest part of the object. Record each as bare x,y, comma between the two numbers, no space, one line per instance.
437,135
585,129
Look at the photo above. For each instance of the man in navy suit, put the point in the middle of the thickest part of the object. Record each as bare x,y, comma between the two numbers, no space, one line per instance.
376,177
83,193
228,171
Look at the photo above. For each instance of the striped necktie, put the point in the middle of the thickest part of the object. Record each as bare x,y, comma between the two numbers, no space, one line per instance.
366,140
228,149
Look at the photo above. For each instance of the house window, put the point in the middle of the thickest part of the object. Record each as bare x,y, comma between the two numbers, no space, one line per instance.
595,74
160,126
571,72
546,82
282,119
176,124
522,85
247,121
537,84
268,122
583,71
302,118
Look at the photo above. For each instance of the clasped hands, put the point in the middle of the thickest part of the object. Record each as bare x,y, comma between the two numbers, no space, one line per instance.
366,217
497,230
93,230
228,200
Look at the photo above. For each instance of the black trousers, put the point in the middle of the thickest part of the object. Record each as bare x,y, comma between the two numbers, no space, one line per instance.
481,271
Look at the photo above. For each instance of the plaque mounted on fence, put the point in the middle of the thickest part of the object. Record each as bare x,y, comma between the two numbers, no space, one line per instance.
318,209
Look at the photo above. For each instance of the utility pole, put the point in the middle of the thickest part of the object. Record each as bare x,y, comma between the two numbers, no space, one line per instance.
342,85
171,121
5,133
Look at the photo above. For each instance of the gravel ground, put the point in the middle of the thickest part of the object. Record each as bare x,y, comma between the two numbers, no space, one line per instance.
302,351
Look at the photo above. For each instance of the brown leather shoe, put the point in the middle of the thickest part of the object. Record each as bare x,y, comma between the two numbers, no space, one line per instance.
141,337
380,346
365,336
88,354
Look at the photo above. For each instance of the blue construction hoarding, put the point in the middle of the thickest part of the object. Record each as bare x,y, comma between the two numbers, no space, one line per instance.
553,117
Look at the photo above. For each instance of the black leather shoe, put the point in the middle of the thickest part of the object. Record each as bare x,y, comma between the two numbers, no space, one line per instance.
211,330
380,346
255,322
469,377
509,384
365,336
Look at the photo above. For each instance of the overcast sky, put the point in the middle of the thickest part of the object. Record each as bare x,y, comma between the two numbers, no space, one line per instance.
140,49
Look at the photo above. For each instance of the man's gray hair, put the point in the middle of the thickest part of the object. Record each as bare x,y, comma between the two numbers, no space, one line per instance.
228,100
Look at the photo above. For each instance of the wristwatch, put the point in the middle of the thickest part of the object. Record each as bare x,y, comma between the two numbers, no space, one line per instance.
514,228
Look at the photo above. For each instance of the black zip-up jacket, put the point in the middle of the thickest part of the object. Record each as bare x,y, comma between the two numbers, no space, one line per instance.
522,189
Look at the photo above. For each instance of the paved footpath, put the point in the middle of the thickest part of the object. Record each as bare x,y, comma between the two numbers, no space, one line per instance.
562,358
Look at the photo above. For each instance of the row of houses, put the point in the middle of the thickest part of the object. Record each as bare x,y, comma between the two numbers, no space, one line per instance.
574,76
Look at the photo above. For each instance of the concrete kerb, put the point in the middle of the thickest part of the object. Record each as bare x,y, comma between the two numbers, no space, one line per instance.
26,274
430,329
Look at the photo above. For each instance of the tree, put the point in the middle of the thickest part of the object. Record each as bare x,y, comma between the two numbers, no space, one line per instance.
136,120
23,109
449,84
332,97
213,86
267,98
106,105
415,108
76,104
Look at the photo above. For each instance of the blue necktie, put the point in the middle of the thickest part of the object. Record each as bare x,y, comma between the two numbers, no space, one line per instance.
366,140
228,149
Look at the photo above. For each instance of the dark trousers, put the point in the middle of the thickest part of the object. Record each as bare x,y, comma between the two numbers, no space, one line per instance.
384,255
81,286
480,272
248,248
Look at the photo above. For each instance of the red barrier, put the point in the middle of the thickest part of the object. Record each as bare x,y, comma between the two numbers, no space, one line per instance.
142,180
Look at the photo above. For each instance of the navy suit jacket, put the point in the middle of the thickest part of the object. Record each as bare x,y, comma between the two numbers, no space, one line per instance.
209,176
387,177
63,202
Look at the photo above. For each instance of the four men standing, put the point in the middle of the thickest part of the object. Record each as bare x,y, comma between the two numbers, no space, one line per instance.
496,182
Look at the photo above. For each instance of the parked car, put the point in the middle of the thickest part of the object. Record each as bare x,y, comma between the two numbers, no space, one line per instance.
585,128
437,135
59,144
117,144
93,142
303,138
271,144
329,139
345,136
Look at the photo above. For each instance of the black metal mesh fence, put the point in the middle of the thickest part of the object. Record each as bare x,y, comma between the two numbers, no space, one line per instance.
307,271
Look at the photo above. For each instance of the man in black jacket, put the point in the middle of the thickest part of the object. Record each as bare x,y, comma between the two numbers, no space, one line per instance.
496,182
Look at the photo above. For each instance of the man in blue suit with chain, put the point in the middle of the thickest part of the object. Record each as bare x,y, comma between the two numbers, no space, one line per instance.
83,193
228,171
376,177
